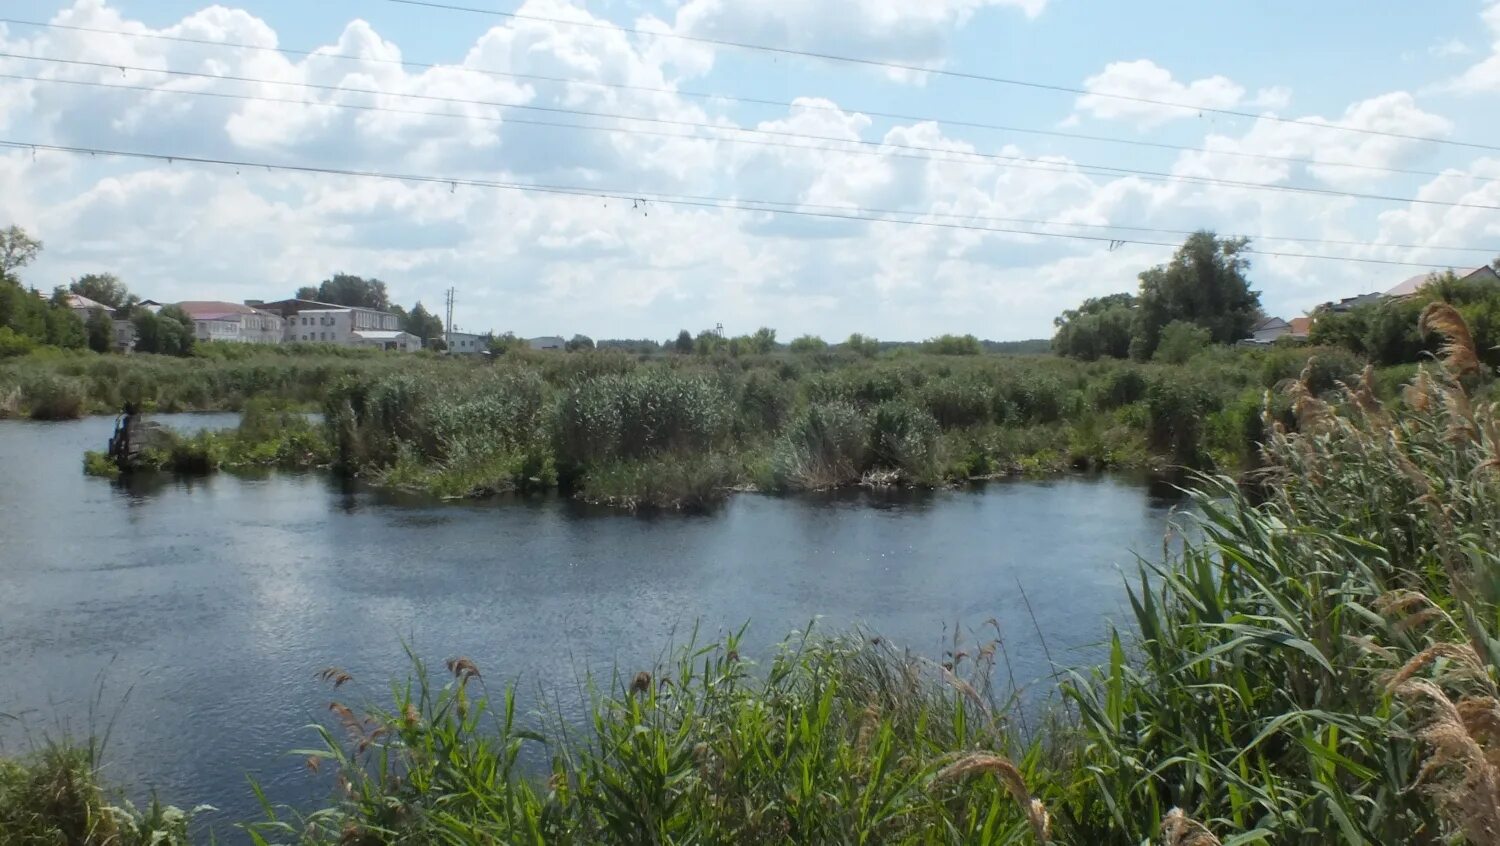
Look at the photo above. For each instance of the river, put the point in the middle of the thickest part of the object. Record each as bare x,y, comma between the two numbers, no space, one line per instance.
190,616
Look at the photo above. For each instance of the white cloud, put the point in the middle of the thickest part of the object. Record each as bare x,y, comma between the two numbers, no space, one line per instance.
544,263
914,32
1307,140
1484,76
1145,79
1445,48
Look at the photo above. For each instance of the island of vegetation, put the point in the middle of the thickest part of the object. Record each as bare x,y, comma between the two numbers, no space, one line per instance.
1147,380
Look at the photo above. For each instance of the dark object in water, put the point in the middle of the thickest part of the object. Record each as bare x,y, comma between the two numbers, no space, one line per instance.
132,434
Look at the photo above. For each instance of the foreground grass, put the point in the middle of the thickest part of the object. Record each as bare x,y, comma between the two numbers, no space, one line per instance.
53,796
671,431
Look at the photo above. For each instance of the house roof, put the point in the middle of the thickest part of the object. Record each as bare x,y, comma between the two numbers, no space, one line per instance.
212,309
1410,286
1301,325
1416,283
79,301
1268,323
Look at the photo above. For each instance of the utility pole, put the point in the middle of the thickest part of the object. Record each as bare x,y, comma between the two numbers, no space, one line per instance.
448,322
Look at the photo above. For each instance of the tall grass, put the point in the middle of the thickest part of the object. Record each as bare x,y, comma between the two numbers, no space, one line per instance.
1319,664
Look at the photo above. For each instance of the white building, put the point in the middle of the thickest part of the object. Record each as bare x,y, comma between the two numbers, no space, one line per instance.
467,343
124,330
231,322
547,342
312,322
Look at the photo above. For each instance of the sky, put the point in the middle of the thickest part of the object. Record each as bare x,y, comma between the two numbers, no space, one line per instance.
686,182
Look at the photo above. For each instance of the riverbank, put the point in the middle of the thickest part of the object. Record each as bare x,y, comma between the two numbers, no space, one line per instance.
680,432
1317,667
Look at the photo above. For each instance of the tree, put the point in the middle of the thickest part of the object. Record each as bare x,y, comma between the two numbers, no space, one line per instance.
307,292
684,342
17,249
1204,283
862,345
168,332
808,344
105,288
579,342
763,341
1180,341
709,342
1101,326
349,290
502,344
421,322
64,329
952,345
101,331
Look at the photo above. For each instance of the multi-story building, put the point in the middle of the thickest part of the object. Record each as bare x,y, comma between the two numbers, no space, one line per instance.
312,322
242,324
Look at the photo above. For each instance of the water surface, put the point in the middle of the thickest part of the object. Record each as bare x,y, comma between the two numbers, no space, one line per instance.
213,602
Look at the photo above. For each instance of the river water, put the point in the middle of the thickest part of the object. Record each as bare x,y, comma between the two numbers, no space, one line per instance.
190,616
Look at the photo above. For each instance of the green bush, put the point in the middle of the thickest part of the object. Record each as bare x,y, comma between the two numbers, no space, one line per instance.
1180,341
634,415
1120,388
956,402
904,438
826,445
51,397
1177,408
1329,367
765,402
952,345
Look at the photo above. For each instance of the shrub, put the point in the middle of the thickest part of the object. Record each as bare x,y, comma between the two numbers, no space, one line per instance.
1180,341
862,345
826,445
637,414
1329,366
13,344
765,402
955,402
51,397
1030,397
807,345
1120,388
904,437
952,345
1176,409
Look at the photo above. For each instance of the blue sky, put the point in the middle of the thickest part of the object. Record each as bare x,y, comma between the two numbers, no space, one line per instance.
559,265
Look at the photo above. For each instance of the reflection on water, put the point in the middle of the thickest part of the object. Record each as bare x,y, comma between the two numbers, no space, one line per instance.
214,601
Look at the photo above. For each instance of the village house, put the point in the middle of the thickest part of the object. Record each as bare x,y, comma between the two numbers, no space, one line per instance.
1271,329
214,320
466,343
124,330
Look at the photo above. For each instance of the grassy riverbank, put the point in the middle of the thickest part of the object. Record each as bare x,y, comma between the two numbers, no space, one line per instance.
1317,667
680,431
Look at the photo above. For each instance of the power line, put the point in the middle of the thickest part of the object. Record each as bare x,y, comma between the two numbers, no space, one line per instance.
882,147
721,203
980,217
703,95
1021,83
